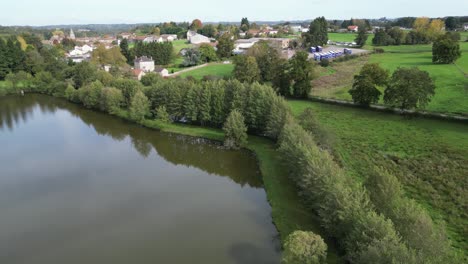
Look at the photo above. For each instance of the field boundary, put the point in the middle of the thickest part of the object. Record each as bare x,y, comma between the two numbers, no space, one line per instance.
188,69
382,108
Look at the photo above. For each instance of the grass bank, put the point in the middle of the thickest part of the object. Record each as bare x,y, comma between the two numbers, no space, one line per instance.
429,157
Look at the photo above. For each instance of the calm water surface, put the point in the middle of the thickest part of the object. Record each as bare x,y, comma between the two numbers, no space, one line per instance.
77,186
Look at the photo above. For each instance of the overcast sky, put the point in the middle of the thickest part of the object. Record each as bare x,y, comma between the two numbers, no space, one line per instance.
50,12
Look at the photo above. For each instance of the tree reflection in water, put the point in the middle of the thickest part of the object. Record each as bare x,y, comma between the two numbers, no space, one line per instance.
206,155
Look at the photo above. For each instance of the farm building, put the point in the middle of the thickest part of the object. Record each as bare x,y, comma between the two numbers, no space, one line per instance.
195,38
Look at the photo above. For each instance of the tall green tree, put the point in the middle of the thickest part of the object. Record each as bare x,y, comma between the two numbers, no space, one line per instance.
4,67
245,24
83,73
361,37
207,53
246,69
301,74
378,75
452,23
409,88
281,81
364,91
192,57
318,33
225,45
126,52
139,106
445,50
267,58
235,131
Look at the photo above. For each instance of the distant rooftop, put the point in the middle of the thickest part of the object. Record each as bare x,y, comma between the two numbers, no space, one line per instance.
143,59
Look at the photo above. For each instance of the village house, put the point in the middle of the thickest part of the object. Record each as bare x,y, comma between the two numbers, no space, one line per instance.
168,37
126,35
80,53
353,28
465,27
195,38
144,63
138,74
162,71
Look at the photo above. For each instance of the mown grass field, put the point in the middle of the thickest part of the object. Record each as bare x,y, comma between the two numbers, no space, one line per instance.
430,157
451,80
180,44
348,37
217,69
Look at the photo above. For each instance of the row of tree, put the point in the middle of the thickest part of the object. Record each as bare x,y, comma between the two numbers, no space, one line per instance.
162,53
424,31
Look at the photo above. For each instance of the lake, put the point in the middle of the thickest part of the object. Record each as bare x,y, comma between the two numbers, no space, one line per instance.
79,186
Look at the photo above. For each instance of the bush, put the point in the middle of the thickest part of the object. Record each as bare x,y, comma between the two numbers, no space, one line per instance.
304,248
111,100
324,63
379,50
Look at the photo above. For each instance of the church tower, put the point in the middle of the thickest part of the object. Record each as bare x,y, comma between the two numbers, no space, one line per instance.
72,34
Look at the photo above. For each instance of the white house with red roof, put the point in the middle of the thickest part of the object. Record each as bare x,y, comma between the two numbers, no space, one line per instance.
353,28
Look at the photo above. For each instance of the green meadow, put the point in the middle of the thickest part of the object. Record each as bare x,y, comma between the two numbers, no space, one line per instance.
216,69
429,157
451,81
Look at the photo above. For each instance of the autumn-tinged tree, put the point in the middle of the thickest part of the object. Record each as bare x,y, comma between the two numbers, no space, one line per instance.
112,56
196,25
421,24
435,28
